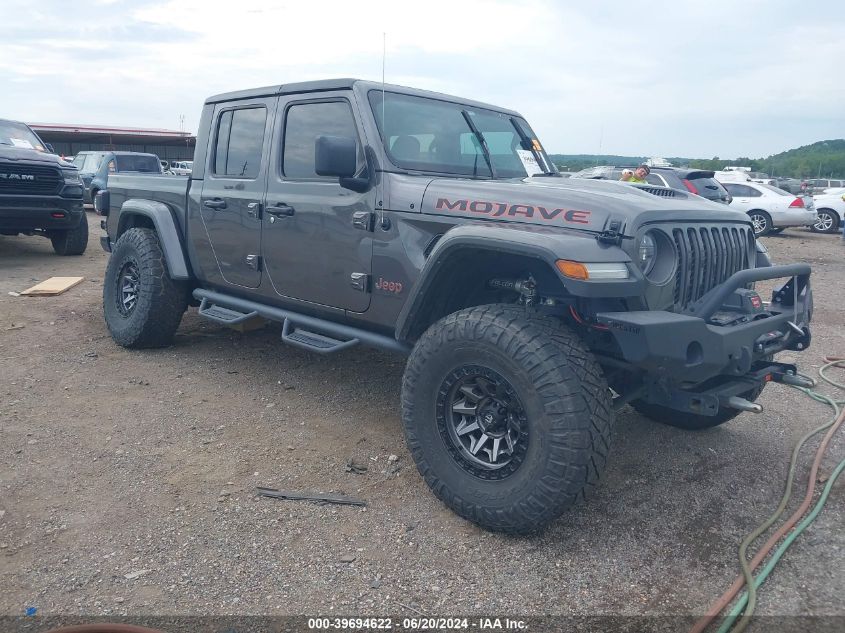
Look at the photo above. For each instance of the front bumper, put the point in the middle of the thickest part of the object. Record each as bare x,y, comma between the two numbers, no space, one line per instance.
39,213
720,335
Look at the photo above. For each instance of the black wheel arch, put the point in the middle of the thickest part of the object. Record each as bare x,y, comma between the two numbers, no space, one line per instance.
456,272
136,213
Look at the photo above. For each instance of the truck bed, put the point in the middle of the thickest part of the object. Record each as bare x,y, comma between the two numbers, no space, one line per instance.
171,190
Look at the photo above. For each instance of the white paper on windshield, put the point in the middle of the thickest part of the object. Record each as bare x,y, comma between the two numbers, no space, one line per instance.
21,142
529,162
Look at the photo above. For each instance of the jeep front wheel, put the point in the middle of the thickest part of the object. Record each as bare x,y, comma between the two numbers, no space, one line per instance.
141,303
507,416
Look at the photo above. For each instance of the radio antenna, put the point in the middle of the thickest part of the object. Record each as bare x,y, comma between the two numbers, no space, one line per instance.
383,59
383,122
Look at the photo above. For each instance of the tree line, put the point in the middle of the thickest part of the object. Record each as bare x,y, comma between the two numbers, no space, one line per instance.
824,159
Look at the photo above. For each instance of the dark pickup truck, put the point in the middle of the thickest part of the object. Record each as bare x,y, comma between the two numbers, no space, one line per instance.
40,194
530,306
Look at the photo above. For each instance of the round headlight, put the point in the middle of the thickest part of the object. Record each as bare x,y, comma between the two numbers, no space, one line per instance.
646,253
656,256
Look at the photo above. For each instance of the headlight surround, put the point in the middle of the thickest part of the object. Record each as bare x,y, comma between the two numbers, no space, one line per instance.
656,256
71,176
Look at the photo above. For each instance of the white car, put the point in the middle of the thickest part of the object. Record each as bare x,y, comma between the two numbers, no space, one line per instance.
770,209
182,167
831,210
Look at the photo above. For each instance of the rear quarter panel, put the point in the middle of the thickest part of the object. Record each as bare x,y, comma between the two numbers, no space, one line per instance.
171,190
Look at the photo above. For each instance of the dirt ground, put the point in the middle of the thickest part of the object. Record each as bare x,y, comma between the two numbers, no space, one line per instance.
127,479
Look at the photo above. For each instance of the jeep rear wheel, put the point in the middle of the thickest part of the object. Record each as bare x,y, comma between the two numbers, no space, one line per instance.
141,303
73,241
507,416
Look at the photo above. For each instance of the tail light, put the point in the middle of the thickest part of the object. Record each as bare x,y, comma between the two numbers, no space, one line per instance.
798,203
689,186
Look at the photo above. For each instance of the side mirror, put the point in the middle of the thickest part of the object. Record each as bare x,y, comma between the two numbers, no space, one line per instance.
49,147
335,156
102,201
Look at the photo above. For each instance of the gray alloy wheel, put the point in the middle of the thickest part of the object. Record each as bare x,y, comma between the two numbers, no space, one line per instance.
827,222
761,222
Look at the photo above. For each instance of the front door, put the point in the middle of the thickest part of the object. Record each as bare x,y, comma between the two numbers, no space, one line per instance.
234,186
313,251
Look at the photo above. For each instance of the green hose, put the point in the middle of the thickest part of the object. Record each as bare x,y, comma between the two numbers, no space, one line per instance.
750,596
761,577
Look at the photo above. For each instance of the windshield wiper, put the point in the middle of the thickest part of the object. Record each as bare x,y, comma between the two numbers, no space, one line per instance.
482,141
528,144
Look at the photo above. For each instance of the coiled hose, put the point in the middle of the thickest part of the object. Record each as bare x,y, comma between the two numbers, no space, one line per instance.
748,600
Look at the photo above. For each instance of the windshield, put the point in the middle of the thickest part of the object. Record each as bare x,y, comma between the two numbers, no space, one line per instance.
138,162
19,135
87,163
431,135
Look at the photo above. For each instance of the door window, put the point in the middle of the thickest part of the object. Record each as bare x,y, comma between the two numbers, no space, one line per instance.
303,124
240,141
742,191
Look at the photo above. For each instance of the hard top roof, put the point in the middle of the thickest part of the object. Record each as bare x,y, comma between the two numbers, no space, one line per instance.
325,85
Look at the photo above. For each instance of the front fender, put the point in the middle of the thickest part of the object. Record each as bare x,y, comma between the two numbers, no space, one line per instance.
165,225
538,243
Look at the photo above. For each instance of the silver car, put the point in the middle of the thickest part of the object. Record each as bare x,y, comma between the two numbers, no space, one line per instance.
771,209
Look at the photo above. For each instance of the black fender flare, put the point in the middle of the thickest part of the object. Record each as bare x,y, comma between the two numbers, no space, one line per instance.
168,232
535,243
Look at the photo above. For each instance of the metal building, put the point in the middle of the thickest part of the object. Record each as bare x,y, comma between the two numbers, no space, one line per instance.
68,140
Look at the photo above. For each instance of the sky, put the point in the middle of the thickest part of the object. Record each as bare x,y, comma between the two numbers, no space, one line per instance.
740,78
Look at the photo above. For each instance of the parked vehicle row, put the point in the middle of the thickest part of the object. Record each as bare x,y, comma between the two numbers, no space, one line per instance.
770,208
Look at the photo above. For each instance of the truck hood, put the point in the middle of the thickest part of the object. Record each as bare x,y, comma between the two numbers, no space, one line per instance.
31,156
573,203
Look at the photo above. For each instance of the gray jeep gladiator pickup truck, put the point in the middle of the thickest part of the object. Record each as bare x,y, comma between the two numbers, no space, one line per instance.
530,306
39,193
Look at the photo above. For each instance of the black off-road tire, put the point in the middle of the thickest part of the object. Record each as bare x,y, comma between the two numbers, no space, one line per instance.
558,386
692,421
72,241
137,262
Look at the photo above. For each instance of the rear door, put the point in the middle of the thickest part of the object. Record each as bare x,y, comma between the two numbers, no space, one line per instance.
743,195
317,239
234,185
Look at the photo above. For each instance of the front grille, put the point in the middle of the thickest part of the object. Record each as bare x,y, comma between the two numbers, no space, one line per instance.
707,256
28,180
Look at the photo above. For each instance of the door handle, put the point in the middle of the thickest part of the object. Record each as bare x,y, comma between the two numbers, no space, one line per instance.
280,210
216,203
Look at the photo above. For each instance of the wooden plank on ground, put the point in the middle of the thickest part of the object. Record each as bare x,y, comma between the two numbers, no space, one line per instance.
52,286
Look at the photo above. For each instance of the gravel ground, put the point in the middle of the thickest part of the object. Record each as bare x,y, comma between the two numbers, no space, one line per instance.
127,480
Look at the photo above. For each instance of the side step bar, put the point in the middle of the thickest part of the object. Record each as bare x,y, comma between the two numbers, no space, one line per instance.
312,341
301,330
223,315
